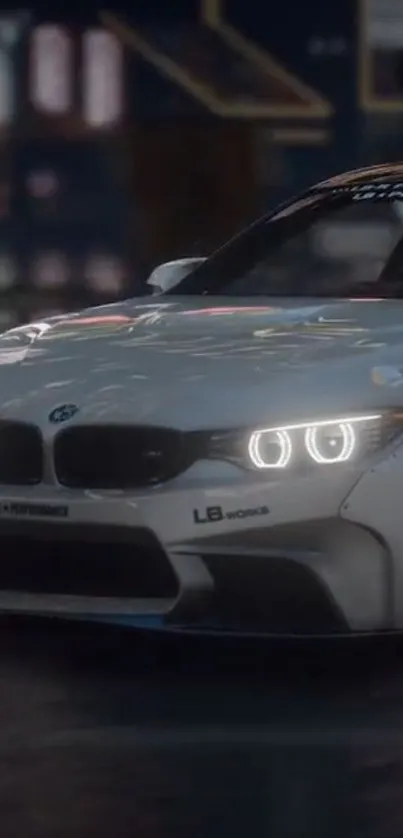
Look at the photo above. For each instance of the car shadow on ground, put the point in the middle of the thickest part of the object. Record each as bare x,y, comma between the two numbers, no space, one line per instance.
108,731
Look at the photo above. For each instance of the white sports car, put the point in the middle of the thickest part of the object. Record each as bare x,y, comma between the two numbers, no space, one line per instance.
225,456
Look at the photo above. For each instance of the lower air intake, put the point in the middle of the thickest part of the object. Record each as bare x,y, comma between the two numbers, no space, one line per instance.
273,595
107,564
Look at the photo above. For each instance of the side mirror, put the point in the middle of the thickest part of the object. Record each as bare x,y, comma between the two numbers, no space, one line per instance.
166,276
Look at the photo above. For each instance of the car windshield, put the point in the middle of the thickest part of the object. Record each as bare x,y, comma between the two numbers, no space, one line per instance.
332,242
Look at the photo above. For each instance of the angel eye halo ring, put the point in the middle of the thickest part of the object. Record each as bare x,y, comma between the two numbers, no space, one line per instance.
278,439
348,443
272,448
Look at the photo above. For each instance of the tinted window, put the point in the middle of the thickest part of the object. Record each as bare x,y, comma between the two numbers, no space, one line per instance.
323,245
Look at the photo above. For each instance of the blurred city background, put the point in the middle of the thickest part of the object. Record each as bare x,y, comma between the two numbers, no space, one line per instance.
137,135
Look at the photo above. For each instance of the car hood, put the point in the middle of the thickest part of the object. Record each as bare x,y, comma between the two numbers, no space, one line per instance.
204,362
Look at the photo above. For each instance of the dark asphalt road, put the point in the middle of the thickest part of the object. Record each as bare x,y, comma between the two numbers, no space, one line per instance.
108,733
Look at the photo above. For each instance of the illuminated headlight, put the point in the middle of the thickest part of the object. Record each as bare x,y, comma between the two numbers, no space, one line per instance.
325,442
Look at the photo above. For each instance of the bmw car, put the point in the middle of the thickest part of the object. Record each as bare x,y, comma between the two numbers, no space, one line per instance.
224,455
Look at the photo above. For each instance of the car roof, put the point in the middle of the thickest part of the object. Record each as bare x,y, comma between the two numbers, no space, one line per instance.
369,174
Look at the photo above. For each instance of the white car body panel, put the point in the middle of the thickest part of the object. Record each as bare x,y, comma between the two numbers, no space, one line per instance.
169,397
159,361
180,364
376,504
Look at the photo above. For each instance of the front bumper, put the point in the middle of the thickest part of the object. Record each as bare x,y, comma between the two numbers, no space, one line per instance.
298,567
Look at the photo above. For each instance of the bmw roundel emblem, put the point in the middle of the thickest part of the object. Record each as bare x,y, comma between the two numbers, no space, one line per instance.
62,413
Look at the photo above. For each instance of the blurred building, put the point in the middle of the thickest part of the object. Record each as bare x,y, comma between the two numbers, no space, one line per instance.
130,137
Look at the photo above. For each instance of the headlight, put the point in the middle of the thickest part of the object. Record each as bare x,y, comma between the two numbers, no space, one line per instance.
305,445
325,442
